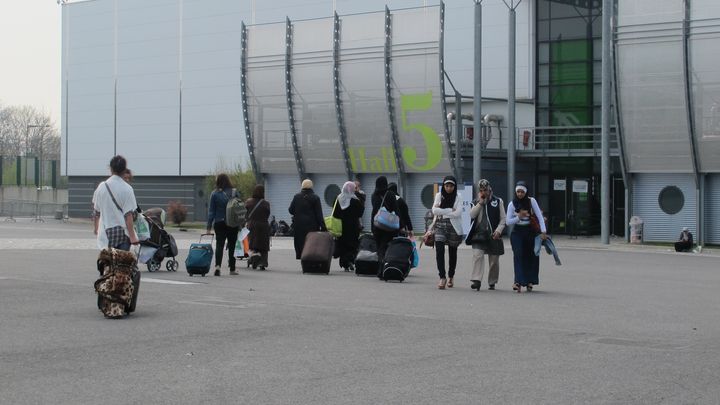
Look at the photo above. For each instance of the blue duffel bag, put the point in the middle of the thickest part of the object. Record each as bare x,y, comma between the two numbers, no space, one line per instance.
200,257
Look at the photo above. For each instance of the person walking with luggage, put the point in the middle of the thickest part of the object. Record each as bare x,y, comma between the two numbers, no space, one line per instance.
382,197
406,227
307,215
349,209
217,209
488,216
257,222
114,204
447,208
524,212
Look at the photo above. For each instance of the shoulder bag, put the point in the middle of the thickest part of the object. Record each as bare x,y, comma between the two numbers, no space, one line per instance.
386,220
334,225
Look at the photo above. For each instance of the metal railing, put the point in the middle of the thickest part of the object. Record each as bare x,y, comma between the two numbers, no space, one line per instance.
37,210
544,141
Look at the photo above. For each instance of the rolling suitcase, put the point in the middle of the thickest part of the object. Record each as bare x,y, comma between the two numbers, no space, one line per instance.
366,261
200,256
398,259
317,253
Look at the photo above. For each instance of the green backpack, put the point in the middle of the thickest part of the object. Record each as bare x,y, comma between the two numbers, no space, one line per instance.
235,212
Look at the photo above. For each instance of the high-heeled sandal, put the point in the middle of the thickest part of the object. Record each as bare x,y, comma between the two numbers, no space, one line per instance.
441,284
517,287
450,283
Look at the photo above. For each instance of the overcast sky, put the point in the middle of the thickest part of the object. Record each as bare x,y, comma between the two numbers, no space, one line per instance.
30,44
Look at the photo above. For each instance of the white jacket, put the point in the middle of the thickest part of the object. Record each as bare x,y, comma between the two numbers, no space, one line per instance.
454,213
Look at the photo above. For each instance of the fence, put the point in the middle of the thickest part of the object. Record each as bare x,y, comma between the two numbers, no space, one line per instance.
541,141
29,171
37,210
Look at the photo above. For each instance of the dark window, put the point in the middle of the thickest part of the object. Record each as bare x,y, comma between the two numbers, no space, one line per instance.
671,200
427,195
331,193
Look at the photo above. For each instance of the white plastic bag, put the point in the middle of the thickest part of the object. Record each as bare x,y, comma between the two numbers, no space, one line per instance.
142,228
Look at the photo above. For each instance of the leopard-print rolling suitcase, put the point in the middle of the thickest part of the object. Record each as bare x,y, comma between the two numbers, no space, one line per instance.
118,285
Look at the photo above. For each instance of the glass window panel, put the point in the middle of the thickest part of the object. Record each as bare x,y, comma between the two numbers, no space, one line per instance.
543,52
314,97
570,73
543,75
543,30
543,96
416,90
570,51
266,98
570,117
597,94
568,28
362,75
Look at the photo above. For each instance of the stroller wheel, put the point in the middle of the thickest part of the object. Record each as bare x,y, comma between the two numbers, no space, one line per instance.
152,266
171,265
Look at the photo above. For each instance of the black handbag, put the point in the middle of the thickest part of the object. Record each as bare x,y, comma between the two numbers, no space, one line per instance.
480,234
495,247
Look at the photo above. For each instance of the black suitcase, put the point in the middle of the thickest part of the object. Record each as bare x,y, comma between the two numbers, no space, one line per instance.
398,258
366,261
317,253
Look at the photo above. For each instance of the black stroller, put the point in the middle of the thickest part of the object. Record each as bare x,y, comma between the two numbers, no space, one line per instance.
160,244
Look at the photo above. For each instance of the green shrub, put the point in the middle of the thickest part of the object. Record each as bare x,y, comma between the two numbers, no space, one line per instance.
243,179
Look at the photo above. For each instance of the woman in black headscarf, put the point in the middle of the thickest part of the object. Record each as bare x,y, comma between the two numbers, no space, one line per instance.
524,212
382,197
307,215
447,209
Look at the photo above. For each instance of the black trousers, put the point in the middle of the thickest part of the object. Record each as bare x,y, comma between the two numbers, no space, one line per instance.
223,234
440,259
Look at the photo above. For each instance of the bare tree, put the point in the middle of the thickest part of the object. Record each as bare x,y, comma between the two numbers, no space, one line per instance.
26,131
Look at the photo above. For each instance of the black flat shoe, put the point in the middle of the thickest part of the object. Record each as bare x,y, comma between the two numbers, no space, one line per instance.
492,287
475,285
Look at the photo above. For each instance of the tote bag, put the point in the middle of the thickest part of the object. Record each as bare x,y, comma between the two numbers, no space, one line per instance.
334,225
386,220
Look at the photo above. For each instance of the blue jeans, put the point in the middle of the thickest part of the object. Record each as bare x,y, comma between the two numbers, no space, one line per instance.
549,248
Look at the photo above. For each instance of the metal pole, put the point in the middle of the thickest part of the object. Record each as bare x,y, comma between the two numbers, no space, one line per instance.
477,98
511,106
606,122
458,135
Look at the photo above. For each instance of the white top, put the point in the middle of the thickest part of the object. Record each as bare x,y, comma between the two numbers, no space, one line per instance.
512,217
454,213
110,215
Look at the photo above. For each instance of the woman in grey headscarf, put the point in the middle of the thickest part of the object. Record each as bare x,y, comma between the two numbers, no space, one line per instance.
349,209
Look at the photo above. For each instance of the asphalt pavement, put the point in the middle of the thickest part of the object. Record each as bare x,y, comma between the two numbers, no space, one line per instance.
615,324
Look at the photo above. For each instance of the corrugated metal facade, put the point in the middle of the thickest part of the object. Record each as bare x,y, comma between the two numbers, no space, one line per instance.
659,226
712,209
149,192
279,191
413,197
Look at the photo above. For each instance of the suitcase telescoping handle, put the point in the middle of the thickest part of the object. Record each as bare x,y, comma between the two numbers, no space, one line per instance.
211,235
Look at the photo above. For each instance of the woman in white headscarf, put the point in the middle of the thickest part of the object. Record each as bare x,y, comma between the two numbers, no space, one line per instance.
349,209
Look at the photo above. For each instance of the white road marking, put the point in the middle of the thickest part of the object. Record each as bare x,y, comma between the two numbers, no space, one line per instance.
161,281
